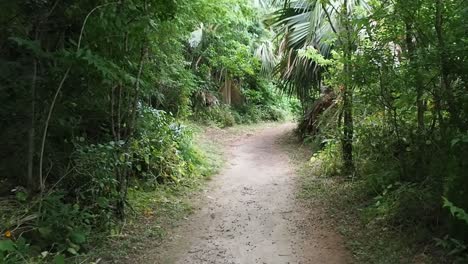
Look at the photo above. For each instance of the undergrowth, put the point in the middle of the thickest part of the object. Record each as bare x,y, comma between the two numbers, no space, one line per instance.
155,211
81,212
260,103
388,227
226,116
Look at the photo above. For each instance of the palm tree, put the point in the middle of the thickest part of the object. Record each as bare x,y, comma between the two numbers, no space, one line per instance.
324,25
297,27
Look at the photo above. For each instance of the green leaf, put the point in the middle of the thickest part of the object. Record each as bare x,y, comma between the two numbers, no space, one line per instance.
33,46
45,231
72,251
78,237
457,212
7,246
102,202
59,259
21,196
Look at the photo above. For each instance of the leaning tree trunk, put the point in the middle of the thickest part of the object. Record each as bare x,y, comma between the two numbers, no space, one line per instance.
310,125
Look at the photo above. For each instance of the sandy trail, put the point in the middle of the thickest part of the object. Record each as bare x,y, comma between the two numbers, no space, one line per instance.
251,215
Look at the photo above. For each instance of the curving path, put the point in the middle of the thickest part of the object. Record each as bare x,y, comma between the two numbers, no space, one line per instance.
250,213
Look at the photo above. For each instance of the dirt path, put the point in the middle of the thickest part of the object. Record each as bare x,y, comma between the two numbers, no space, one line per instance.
250,214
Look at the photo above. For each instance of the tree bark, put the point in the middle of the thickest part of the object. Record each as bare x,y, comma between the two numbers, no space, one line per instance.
348,123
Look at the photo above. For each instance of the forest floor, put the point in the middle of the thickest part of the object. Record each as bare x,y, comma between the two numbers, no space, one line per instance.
249,212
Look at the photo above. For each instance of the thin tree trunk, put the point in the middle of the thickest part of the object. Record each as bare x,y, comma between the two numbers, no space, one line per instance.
438,91
119,113
348,124
122,173
144,52
348,130
32,184
446,90
46,127
112,109
417,82
419,166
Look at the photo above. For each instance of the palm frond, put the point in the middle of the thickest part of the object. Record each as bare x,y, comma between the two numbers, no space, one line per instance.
300,24
265,52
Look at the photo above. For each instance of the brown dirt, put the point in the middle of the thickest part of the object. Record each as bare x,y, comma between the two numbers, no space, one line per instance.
249,213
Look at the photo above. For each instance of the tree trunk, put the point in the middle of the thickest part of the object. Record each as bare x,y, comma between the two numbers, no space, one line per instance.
134,104
348,124
418,85
123,173
348,130
32,183
226,90
445,86
419,166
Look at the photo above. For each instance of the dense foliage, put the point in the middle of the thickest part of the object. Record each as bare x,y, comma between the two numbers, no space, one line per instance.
93,95
386,85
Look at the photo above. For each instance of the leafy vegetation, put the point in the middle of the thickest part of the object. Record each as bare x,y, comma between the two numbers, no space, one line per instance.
383,88
95,95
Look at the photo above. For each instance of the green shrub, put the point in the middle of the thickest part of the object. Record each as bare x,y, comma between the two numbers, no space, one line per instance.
159,152
253,114
273,113
329,158
405,205
221,116
49,226
12,252
261,102
62,223
238,118
94,180
455,248
455,211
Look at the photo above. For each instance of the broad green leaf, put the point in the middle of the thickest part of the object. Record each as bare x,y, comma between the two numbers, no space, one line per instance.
21,196
78,237
59,259
7,246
